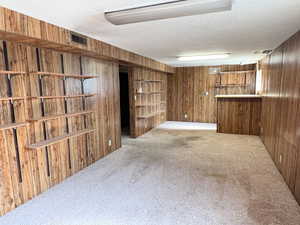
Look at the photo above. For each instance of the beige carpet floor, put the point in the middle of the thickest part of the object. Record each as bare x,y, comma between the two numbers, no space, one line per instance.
170,177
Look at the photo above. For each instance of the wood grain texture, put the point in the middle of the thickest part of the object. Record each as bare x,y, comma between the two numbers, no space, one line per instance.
192,90
281,109
57,129
107,102
239,115
15,26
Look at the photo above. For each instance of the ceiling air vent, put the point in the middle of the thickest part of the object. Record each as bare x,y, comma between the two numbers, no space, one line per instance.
79,39
214,70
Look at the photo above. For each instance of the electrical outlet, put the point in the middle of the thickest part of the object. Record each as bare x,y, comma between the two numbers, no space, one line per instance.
109,142
185,116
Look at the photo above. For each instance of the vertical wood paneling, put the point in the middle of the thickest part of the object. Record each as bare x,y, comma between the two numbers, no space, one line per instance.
188,96
204,105
2,18
7,202
281,108
192,90
108,102
15,22
34,27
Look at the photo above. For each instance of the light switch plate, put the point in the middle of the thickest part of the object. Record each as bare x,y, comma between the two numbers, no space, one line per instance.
109,142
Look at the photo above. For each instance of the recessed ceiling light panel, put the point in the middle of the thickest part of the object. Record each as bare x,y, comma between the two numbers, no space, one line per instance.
203,57
167,10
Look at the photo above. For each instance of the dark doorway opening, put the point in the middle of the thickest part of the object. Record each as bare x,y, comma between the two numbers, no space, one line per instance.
124,101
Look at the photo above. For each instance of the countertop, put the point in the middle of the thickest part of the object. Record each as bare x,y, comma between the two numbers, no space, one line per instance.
238,96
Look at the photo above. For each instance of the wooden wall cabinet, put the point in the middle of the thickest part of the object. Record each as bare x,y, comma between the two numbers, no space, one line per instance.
238,115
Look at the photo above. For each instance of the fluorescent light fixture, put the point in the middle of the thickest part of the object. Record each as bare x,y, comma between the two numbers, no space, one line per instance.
203,57
167,10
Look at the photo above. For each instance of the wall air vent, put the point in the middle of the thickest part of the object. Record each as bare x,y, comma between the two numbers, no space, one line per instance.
79,39
267,52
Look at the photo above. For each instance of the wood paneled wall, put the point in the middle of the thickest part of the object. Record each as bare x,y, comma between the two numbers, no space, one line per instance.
281,110
87,108
192,90
148,100
25,29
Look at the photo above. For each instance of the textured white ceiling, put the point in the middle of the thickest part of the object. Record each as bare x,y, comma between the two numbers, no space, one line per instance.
252,25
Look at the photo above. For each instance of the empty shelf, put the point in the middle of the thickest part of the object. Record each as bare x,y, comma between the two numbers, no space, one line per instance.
148,93
12,125
148,80
12,98
148,116
143,93
59,139
245,71
230,86
66,96
147,105
46,118
6,72
64,75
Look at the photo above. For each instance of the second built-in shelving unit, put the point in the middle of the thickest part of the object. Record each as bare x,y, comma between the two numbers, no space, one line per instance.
151,105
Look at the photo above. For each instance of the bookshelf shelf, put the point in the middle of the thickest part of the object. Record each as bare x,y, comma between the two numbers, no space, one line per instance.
59,139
